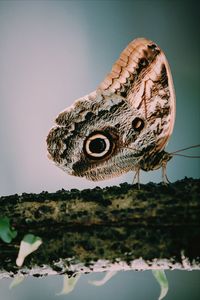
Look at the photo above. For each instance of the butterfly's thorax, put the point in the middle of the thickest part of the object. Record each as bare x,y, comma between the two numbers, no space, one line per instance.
154,160
124,124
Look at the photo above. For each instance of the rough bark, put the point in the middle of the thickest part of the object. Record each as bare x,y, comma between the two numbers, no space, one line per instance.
118,228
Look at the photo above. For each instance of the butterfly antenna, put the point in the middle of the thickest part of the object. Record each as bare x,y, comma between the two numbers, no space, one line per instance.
189,156
184,149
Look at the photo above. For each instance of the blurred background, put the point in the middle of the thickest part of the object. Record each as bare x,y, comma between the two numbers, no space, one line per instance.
53,52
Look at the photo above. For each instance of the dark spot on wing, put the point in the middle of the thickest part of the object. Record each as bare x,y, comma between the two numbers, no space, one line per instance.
164,78
152,47
123,94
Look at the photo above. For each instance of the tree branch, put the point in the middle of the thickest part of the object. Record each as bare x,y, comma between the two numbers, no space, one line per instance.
113,228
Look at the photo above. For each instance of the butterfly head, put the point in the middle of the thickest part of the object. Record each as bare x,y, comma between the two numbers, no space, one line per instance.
95,139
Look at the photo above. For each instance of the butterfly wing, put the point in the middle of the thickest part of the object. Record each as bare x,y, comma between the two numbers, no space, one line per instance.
142,76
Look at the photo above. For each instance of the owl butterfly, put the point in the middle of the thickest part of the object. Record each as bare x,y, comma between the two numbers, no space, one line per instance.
125,124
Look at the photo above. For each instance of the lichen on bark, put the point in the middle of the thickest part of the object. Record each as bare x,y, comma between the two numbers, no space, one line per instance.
119,227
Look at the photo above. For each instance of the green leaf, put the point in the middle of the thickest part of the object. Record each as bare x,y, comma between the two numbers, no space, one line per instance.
7,233
163,282
69,284
29,244
16,281
105,279
31,238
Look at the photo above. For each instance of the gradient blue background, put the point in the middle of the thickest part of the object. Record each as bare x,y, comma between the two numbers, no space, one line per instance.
53,52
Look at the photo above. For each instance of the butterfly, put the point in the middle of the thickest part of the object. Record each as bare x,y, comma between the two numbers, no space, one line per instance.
125,124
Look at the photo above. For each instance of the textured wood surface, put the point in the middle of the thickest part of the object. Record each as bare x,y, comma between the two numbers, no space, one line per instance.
104,229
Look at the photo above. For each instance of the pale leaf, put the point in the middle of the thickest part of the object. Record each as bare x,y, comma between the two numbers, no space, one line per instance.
163,282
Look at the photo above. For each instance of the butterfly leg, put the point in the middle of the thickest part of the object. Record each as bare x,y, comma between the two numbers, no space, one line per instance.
165,179
136,177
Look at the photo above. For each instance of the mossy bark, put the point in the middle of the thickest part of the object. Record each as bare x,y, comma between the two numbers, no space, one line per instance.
122,227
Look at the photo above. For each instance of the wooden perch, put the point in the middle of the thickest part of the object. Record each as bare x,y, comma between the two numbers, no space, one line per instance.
115,228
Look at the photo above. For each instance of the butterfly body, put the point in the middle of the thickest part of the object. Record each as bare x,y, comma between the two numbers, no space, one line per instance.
122,126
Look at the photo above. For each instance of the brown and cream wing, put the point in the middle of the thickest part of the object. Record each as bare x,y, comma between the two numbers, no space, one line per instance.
142,76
